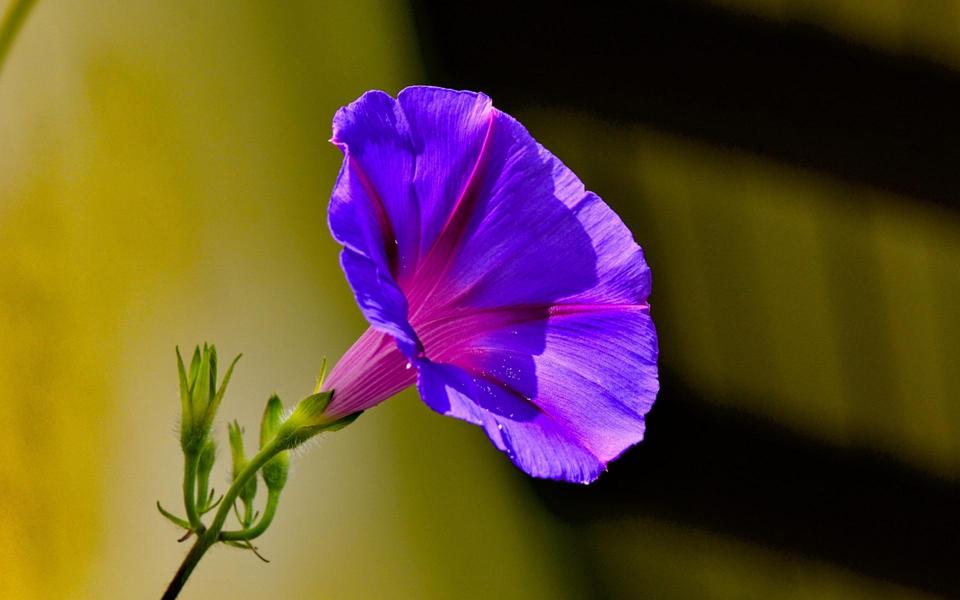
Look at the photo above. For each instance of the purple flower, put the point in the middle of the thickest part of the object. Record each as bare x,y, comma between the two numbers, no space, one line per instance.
515,299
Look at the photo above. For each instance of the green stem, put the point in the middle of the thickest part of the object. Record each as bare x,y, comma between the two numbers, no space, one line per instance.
212,534
247,513
189,484
12,22
273,500
202,496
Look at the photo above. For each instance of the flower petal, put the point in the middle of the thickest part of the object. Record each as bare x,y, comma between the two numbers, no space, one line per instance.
447,131
372,200
537,446
520,296
530,235
401,176
380,300
372,370
562,394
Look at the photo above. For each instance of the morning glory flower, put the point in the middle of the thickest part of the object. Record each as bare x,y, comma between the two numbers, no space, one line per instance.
511,296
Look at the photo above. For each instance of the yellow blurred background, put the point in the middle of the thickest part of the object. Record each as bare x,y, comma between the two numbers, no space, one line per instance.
164,175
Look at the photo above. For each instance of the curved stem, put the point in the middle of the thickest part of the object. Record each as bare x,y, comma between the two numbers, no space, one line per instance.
212,534
273,500
12,22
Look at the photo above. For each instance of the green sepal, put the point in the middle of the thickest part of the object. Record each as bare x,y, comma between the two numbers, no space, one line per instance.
211,381
211,503
306,420
322,376
200,396
194,367
341,423
309,419
310,410
303,434
173,518
187,427
246,545
184,384
218,395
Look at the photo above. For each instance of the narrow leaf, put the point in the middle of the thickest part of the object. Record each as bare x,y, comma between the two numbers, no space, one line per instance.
172,518
194,367
218,397
321,376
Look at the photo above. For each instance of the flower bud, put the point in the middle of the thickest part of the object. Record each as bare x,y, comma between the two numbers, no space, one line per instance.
235,435
275,471
240,460
249,491
199,396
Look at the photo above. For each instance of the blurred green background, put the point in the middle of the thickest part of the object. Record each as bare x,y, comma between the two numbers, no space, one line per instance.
164,174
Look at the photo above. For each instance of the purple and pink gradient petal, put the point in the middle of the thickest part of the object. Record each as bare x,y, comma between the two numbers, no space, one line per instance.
515,299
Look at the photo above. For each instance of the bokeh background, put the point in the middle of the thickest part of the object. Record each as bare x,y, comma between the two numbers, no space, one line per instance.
790,167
